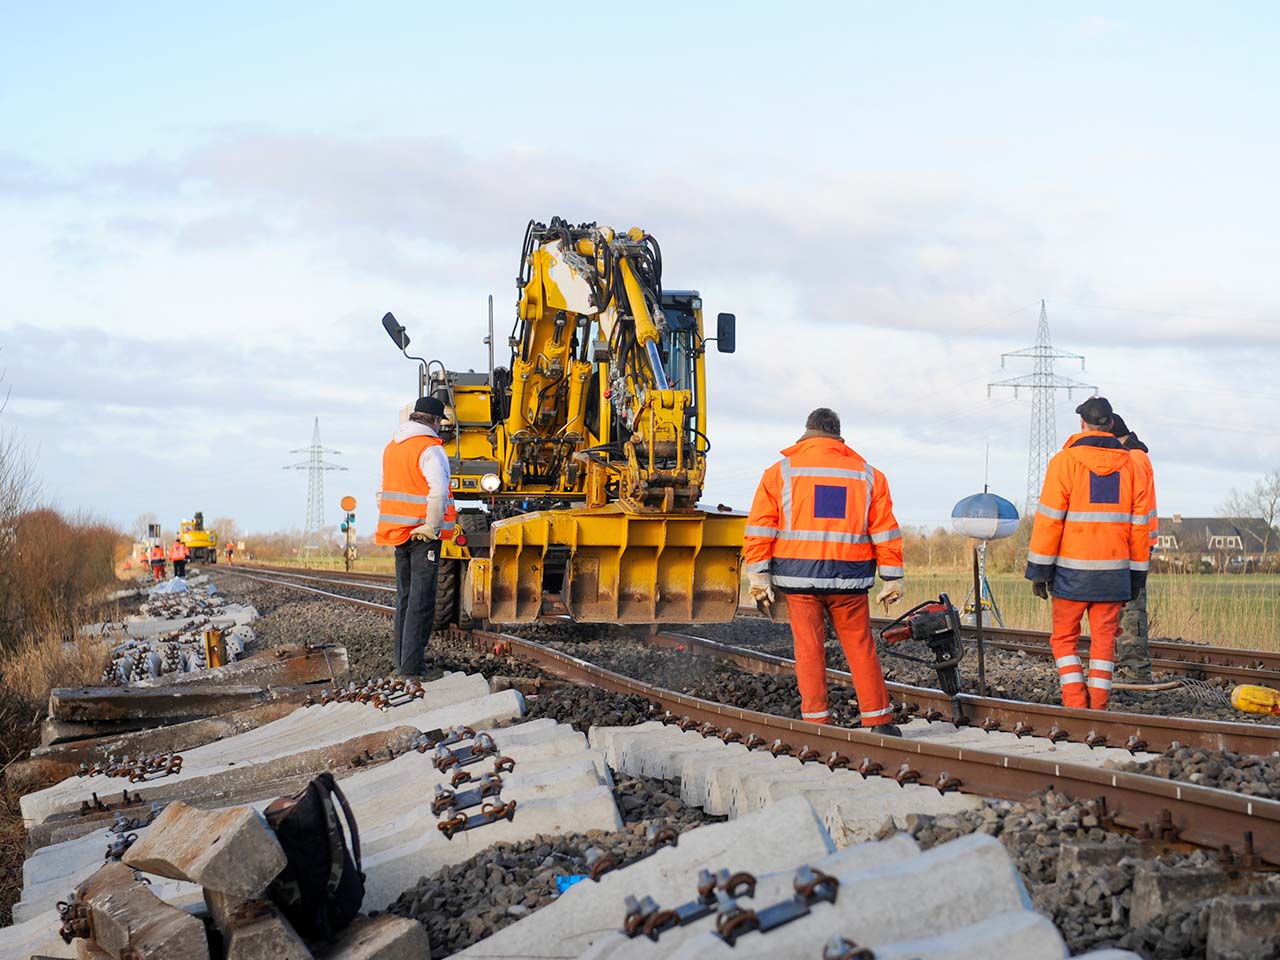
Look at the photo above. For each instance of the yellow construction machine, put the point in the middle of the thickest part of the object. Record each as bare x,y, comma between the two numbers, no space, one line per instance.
579,466
201,543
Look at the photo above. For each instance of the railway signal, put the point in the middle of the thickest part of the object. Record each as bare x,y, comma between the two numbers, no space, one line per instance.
348,528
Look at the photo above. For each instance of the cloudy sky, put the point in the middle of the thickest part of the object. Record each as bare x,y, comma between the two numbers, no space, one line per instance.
204,215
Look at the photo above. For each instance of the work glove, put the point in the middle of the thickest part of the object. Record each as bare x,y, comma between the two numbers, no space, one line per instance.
760,587
1040,588
424,532
890,595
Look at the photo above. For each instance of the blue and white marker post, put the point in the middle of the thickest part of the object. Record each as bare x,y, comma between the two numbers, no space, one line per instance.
984,517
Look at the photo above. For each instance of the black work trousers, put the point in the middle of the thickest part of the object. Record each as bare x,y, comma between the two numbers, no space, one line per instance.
179,568
416,564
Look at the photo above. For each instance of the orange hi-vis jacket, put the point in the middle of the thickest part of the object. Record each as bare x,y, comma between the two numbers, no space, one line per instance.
1144,467
157,553
178,551
1090,538
822,520
403,504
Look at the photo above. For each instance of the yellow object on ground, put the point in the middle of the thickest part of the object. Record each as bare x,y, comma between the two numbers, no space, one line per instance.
1254,699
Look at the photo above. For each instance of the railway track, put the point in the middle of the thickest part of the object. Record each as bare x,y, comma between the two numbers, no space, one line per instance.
1203,661
1011,749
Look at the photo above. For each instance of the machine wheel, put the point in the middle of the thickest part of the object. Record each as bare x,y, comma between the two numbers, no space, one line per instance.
448,589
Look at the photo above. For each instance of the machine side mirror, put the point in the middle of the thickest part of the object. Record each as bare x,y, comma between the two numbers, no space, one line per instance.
726,329
395,331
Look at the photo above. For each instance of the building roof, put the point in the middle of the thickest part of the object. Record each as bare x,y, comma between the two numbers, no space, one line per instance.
1192,531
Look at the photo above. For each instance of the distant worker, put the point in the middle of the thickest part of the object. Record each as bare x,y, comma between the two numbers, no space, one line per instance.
231,551
1133,655
415,512
156,557
178,557
820,525
1090,549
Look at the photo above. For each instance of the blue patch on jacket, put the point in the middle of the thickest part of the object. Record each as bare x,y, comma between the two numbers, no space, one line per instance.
1104,488
829,502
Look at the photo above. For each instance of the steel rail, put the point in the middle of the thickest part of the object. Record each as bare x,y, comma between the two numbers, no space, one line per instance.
1133,731
1153,806
1255,666
1166,809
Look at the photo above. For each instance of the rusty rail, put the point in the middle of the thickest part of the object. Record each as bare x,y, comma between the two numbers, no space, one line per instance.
1200,815
1168,809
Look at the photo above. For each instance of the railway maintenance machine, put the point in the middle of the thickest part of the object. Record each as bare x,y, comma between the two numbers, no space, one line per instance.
578,467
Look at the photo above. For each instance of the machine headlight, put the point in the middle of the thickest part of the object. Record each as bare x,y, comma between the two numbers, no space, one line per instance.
490,483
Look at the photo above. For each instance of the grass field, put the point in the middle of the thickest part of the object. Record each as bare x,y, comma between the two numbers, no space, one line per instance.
1233,611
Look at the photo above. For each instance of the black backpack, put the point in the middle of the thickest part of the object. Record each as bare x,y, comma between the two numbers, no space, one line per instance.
322,887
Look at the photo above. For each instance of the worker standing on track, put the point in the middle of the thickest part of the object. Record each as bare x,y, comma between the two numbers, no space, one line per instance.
178,557
820,525
156,557
1133,655
415,511
1090,549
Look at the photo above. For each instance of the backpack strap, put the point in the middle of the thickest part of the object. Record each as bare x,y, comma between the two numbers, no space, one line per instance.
328,788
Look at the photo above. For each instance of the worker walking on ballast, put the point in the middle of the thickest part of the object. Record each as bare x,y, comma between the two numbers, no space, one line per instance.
156,558
820,526
1090,549
178,557
415,512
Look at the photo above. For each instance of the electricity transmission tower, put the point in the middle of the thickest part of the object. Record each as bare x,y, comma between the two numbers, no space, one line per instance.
1043,384
314,540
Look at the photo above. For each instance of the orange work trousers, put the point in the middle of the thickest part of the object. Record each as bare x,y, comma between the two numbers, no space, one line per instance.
851,616
1104,621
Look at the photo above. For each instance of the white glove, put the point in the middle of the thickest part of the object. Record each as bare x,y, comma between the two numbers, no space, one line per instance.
424,532
760,587
890,595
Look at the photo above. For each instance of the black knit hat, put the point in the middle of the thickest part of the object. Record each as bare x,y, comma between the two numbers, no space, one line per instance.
1096,411
430,406
1118,427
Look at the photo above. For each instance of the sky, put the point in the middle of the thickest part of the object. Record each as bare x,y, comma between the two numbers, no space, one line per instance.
205,213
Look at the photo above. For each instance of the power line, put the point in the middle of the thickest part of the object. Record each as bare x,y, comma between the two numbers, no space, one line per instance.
1044,385
314,539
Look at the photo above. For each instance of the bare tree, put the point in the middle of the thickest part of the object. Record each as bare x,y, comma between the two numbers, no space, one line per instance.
227,529
141,525
1260,503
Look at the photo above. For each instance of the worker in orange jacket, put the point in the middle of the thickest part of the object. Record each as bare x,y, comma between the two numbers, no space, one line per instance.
820,526
1090,549
1133,655
178,557
157,561
415,512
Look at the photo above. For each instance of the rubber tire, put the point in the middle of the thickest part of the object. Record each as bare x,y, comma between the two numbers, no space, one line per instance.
448,589
476,527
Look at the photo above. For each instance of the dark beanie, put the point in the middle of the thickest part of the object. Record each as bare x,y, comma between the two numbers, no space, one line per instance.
1118,427
1096,411
430,406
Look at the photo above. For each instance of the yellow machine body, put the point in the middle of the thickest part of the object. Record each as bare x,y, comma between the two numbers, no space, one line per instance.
202,543
585,458
620,567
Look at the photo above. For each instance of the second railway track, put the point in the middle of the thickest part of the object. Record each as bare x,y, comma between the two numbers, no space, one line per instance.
1010,750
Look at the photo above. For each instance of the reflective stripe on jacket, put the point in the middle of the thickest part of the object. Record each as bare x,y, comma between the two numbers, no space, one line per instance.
1090,537
402,505
822,521
178,551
